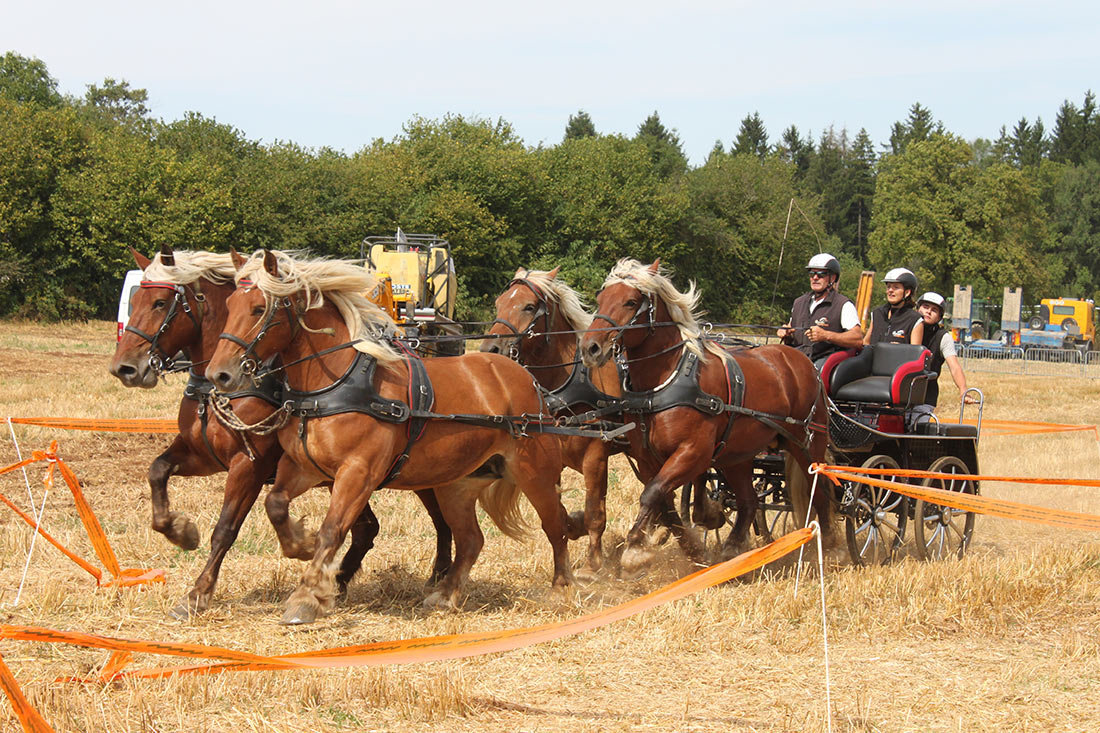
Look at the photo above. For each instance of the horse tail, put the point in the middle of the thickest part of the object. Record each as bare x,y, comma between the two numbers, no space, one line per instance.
500,500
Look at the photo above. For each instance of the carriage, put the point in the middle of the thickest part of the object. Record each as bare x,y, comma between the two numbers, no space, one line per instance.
872,424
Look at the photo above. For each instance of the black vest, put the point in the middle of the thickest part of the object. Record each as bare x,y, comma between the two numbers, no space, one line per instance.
826,315
890,326
933,341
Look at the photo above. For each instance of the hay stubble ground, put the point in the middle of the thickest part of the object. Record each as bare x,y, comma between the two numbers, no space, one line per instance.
1004,639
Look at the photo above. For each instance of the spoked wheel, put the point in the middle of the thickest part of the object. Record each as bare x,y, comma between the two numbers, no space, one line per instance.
713,517
942,531
775,515
875,518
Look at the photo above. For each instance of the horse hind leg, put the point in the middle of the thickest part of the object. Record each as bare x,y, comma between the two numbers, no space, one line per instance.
458,507
536,466
739,480
363,534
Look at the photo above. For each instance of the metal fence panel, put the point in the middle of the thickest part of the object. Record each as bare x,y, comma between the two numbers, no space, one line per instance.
999,361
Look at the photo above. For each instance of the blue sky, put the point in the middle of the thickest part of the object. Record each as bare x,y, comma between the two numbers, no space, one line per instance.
340,74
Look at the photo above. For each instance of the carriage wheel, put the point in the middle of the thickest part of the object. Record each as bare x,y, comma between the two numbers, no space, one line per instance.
775,516
875,518
942,531
713,518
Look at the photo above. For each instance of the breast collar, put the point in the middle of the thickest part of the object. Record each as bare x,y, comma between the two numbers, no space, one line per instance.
355,392
682,389
577,392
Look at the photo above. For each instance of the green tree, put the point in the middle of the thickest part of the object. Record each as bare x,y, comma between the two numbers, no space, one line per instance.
752,137
952,222
793,149
117,102
1073,252
580,125
917,127
664,147
27,80
734,231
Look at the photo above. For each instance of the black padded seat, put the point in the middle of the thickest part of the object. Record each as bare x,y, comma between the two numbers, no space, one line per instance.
893,374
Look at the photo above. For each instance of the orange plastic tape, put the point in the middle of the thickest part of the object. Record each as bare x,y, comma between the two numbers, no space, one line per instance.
409,651
973,502
25,713
1025,427
121,577
121,425
916,473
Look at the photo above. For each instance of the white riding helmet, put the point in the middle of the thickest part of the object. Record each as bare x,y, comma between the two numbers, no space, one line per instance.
824,261
904,276
934,298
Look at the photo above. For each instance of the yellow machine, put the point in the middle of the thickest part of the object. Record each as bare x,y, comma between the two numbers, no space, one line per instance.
416,285
863,297
1069,317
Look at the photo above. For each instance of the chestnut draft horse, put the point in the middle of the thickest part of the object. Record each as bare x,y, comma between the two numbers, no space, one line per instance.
684,392
180,306
538,322
358,416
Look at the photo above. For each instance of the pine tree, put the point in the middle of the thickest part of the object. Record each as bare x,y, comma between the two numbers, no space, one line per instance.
793,149
752,138
919,126
580,125
664,146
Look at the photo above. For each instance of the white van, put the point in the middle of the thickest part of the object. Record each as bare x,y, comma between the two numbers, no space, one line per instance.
129,287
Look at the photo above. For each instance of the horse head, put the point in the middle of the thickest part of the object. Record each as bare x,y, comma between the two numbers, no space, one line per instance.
524,312
625,313
165,318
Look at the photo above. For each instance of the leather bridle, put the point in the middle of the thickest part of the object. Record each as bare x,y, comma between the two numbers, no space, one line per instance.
541,311
250,361
158,360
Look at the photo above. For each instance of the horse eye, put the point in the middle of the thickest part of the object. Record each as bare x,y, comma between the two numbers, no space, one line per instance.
159,303
258,310
631,303
529,307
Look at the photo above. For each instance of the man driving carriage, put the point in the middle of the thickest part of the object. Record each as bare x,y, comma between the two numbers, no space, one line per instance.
823,321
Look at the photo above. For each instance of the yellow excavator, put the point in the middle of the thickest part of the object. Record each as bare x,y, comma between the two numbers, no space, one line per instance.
417,287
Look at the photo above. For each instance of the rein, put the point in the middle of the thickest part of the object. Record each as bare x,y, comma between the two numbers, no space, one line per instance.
250,361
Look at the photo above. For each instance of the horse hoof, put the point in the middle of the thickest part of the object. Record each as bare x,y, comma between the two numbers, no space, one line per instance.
439,601
635,560
299,614
188,608
183,533
586,574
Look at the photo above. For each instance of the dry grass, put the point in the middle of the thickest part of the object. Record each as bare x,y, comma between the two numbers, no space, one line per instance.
1002,640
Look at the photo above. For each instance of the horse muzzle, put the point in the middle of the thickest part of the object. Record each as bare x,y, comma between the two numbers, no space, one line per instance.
228,378
594,354
134,372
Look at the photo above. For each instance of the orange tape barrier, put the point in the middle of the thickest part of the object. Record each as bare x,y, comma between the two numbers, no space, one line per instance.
121,576
28,717
407,651
970,502
1024,427
121,425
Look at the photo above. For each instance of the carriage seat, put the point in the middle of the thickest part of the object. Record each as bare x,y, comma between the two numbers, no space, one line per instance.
828,365
894,374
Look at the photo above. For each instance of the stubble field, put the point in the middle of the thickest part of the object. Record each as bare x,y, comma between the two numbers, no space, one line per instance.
1004,639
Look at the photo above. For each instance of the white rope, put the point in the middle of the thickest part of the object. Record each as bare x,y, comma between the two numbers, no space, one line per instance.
30,552
824,625
806,523
26,479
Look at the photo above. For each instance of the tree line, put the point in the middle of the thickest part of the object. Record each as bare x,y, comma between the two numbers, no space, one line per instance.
84,178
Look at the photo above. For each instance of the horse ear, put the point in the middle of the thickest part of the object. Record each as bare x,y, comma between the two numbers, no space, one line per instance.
270,263
167,256
553,273
142,261
238,260
655,266
520,272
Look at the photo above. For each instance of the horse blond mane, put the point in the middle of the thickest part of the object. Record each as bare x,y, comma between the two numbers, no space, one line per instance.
343,282
682,307
190,267
568,300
